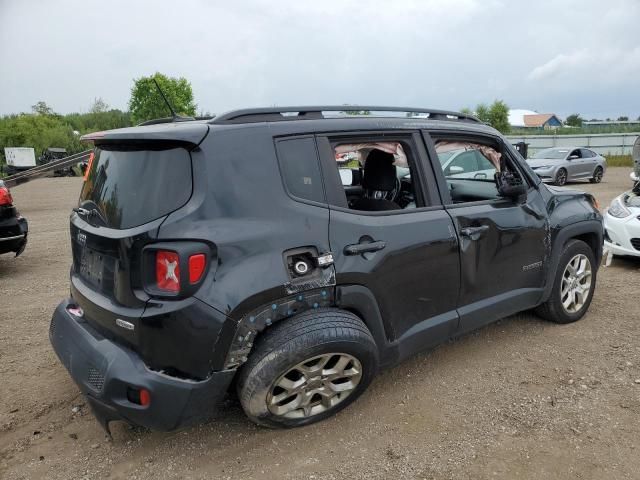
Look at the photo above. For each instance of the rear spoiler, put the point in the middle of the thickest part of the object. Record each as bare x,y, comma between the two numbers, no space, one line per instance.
188,134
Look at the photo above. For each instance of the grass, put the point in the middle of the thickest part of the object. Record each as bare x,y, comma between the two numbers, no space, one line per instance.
619,160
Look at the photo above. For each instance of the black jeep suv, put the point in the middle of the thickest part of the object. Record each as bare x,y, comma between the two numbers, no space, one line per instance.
294,252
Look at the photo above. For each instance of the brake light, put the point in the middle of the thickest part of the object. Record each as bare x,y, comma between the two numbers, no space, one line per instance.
168,271
197,264
5,196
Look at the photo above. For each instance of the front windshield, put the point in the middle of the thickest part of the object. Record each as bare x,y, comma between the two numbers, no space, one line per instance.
552,153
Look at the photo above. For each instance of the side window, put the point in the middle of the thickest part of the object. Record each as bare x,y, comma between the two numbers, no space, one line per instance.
300,168
463,162
484,164
575,153
375,173
586,153
472,169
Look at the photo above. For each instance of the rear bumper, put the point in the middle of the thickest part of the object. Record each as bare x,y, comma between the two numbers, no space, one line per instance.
105,371
13,235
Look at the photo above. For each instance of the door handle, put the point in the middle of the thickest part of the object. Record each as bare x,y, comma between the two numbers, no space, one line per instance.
360,248
474,233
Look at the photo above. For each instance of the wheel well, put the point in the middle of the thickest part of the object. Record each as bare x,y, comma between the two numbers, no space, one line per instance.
590,239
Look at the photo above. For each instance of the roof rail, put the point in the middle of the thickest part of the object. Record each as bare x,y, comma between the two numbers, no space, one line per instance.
275,114
157,121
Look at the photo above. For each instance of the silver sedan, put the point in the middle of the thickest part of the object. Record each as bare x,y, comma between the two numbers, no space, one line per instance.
561,165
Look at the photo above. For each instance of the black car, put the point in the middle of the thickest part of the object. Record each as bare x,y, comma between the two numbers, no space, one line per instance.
293,253
13,226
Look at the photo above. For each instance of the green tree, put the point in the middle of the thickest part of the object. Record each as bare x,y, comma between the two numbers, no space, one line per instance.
482,112
499,116
574,120
496,115
41,108
146,102
623,119
39,132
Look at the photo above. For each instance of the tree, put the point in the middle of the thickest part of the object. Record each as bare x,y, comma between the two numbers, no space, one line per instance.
98,106
496,115
146,102
41,108
482,112
623,119
499,116
574,120
39,132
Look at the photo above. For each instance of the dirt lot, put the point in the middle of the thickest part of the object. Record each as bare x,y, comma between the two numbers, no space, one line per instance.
519,399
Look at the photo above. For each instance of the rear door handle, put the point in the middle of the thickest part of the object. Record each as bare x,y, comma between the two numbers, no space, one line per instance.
474,233
360,248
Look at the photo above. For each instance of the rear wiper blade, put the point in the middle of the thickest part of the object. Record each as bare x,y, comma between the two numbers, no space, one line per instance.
81,211
90,213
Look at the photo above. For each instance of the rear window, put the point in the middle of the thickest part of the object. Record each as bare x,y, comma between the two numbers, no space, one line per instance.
127,188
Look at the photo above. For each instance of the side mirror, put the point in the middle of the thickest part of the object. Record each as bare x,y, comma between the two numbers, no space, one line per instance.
454,169
572,157
510,186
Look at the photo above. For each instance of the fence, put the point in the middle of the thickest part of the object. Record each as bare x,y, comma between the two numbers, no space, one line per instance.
603,143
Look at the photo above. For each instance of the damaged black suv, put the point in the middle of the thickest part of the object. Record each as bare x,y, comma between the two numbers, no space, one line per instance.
294,252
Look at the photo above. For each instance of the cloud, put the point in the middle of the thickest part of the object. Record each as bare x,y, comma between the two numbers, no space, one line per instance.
590,66
431,53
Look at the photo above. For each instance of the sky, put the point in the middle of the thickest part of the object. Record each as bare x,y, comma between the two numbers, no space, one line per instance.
562,56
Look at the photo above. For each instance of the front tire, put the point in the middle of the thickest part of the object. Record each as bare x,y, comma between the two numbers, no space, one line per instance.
573,286
597,175
307,368
561,177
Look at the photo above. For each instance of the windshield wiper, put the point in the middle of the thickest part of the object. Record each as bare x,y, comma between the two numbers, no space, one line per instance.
90,213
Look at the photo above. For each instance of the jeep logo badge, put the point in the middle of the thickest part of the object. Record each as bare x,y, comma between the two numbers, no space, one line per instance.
124,324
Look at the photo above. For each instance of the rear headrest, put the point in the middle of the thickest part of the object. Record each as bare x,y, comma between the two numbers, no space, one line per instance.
379,171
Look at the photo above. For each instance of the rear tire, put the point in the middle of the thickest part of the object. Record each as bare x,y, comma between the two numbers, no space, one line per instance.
569,299
307,368
561,177
597,175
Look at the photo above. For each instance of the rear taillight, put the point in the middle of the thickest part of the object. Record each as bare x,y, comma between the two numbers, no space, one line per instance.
178,272
168,271
197,264
5,196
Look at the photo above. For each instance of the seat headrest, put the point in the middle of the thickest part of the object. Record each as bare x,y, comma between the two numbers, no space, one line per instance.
379,171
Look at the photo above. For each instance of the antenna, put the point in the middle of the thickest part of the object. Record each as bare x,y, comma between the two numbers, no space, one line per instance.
173,112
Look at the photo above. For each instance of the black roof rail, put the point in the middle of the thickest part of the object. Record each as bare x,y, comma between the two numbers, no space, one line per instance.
156,121
275,114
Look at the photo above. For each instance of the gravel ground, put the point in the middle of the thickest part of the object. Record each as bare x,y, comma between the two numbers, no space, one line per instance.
518,399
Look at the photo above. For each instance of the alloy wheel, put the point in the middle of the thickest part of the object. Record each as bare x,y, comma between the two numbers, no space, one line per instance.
597,176
314,385
576,283
561,177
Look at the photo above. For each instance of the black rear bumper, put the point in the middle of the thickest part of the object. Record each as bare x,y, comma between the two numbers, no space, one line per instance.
13,235
105,371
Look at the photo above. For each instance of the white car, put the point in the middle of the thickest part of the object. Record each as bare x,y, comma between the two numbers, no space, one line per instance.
622,224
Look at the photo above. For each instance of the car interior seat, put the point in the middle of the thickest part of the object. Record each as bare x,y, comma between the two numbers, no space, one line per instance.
379,181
